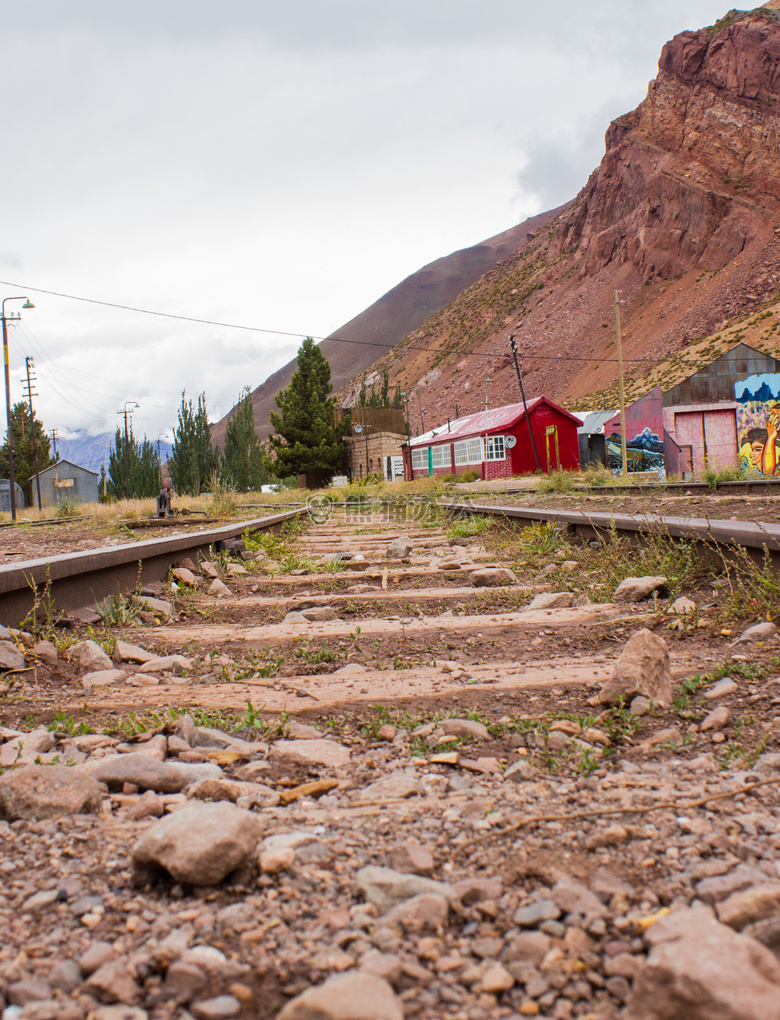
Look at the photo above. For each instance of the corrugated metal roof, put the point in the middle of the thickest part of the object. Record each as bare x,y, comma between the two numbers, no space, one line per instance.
475,424
595,421
493,420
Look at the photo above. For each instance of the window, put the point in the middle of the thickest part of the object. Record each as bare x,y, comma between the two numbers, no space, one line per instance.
468,451
420,458
440,456
495,448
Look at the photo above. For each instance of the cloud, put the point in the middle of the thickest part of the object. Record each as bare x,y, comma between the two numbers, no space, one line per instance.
280,166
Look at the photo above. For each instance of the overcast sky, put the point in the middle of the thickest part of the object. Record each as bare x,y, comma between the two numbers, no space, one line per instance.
277,165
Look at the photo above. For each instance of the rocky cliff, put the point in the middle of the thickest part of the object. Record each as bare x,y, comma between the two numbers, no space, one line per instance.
680,217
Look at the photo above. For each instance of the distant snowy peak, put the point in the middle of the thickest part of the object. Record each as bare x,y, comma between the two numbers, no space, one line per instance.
93,451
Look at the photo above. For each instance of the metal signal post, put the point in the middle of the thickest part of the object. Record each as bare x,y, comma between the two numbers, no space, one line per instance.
30,395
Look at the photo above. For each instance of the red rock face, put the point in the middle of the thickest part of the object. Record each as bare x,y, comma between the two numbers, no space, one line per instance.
687,177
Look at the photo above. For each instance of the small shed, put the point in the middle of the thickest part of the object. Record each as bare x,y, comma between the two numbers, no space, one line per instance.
5,496
593,446
497,442
66,482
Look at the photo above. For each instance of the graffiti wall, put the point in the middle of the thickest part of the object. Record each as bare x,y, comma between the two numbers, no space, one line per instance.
758,423
644,435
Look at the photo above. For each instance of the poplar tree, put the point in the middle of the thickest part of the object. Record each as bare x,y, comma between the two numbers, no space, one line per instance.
143,463
306,440
192,459
243,460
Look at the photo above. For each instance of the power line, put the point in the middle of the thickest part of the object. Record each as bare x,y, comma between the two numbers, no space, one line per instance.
282,332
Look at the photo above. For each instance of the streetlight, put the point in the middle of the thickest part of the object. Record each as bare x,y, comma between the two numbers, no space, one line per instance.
27,304
133,404
358,430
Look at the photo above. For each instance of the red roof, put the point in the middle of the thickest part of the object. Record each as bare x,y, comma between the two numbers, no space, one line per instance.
495,419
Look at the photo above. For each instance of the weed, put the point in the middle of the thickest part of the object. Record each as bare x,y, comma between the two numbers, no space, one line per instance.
118,610
40,619
66,724
222,502
466,527
557,481
322,654
588,762
540,540
619,724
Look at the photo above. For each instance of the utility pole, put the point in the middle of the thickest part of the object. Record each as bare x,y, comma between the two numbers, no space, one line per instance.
623,451
28,362
525,405
54,433
12,490
132,405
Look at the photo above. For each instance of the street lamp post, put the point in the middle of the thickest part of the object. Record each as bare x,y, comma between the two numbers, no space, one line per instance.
12,482
133,404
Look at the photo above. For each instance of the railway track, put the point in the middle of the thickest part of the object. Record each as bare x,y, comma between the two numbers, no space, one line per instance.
79,580
372,710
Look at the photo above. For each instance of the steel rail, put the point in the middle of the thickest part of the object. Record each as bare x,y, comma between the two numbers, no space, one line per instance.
756,538
79,580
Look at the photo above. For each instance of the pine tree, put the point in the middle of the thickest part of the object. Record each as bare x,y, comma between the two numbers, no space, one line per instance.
307,441
192,459
143,464
23,422
244,460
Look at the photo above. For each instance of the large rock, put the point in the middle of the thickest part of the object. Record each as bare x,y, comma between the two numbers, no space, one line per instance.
311,752
399,548
750,905
89,655
46,791
319,614
468,728
698,969
358,996
10,656
643,668
160,607
636,589
138,768
125,652
103,678
199,844
757,633
386,888
491,577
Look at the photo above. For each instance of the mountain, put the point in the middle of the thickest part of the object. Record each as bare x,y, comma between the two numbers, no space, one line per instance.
92,451
367,337
682,217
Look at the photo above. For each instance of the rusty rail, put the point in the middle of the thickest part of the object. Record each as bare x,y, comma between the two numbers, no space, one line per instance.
753,536
80,579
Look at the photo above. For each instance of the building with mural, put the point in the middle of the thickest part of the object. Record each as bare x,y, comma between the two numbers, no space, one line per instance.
721,416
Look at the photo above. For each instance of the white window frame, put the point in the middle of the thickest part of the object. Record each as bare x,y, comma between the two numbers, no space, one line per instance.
495,448
440,456
420,458
468,451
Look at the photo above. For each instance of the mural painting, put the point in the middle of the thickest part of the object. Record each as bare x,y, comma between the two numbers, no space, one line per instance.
758,423
644,452
644,432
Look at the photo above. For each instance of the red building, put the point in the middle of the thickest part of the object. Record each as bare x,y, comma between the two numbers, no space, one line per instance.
497,443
